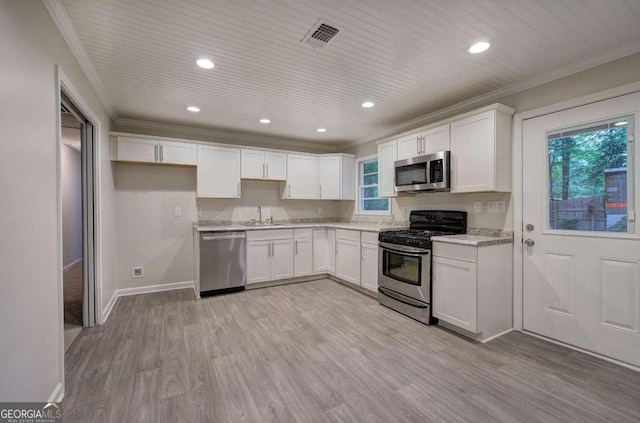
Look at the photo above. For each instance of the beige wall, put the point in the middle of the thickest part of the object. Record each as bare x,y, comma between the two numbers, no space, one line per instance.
31,350
71,202
149,235
609,75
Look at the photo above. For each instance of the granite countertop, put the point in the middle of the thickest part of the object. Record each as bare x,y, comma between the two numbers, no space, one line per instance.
475,240
375,226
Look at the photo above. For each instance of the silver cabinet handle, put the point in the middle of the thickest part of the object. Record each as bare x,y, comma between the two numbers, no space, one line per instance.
529,242
320,191
155,153
238,189
289,188
273,250
161,152
269,250
221,237
296,243
267,165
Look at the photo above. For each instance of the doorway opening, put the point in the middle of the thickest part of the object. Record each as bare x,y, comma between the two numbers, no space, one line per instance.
78,237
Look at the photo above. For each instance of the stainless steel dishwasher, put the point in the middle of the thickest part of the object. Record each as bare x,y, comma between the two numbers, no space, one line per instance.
223,262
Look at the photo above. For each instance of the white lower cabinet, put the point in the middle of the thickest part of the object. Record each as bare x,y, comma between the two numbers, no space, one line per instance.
472,288
324,251
269,255
348,255
369,260
303,252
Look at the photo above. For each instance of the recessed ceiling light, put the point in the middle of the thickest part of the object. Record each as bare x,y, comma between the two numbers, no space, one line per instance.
321,130
368,104
193,109
479,47
204,63
621,123
265,121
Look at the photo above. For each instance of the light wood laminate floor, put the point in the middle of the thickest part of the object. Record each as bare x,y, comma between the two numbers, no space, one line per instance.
319,351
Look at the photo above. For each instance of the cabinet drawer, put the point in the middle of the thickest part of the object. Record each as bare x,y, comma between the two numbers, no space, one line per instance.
348,234
456,252
269,234
370,237
303,233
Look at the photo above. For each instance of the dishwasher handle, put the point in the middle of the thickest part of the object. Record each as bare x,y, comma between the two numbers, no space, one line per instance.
241,235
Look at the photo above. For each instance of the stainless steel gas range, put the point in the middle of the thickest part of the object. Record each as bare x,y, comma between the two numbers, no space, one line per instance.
404,264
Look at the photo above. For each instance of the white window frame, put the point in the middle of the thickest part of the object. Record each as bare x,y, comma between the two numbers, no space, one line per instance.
359,178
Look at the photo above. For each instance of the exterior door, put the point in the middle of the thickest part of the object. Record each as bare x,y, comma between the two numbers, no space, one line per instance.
581,257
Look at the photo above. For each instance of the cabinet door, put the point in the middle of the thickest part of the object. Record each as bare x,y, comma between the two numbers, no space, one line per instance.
348,260
436,139
320,251
408,146
387,155
258,261
276,166
369,272
473,153
137,150
329,177
302,177
303,256
180,153
455,292
331,251
218,172
252,164
281,259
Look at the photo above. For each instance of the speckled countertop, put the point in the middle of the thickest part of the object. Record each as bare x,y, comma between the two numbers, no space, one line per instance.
478,237
374,226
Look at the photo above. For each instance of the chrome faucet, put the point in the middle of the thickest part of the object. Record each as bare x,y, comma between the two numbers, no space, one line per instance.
260,214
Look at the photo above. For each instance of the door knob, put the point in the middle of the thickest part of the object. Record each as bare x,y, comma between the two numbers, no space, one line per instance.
529,242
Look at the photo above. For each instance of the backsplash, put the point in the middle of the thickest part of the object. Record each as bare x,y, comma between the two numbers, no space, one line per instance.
267,195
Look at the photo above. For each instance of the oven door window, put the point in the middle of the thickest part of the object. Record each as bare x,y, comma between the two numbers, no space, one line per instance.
402,267
415,174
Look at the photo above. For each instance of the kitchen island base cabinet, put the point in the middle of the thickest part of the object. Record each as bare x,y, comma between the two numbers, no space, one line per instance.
472,288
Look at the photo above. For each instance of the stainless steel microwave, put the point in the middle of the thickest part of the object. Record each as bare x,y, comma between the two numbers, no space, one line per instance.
423,173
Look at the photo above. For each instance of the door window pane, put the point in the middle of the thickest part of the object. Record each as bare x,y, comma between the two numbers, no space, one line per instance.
588,175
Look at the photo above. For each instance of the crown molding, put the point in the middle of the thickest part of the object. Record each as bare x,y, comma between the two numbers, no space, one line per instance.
495,95
63,22
221,136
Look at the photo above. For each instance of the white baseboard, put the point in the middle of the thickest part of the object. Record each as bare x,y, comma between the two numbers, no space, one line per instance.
109,307
70,265
58,394
125,292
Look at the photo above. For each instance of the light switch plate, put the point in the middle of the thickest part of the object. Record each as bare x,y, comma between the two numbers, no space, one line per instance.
495,206
177,212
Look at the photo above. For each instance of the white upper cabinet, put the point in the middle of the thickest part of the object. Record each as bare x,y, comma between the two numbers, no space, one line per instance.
408,146
387,155
145,150
266,165
336,176
218,172
302,177
436,139
481,151
426,141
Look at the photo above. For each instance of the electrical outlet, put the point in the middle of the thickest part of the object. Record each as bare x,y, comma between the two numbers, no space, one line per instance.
137,272
495,207
477,207
177,212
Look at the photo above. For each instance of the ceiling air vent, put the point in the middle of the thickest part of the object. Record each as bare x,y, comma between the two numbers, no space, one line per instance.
320,35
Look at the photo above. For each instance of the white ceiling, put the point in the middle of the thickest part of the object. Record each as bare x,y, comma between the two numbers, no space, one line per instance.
407,56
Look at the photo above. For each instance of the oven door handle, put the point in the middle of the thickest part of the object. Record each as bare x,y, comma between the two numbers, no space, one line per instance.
408,251
402,298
